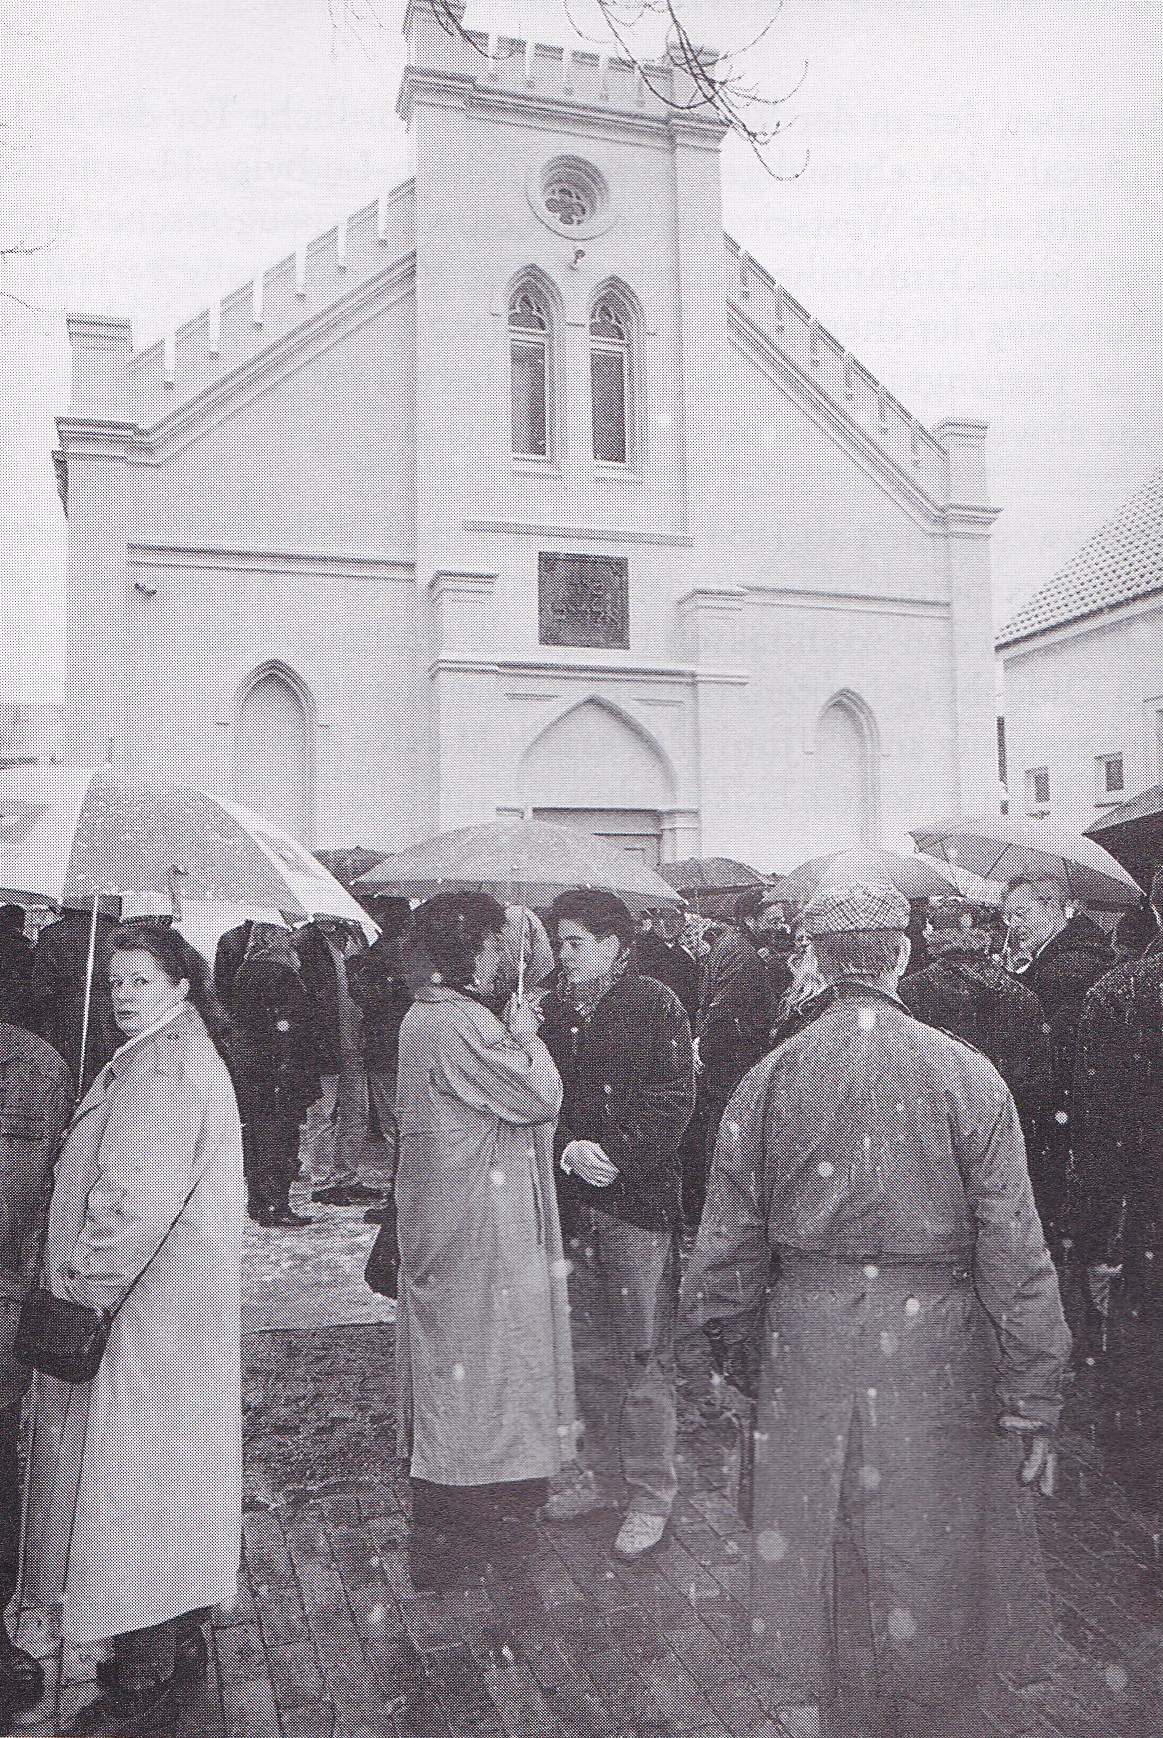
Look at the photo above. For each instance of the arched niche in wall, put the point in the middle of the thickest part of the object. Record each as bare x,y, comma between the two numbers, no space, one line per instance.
273,742
847,798
596,769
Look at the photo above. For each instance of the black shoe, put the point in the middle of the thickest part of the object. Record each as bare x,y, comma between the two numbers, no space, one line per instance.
347,1195
21,1678
191,1662
122,1710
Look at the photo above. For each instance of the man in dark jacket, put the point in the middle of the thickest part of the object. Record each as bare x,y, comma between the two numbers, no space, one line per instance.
1117,1186
736,1009
1066,956
383,998
57,994
661,955
967,993
36,1097
622,1046
869,1200
15,967
274,1056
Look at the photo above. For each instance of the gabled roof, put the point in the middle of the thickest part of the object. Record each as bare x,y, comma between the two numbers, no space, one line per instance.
1122,562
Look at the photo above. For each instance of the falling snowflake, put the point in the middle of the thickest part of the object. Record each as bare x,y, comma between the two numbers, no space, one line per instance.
458,1372
866,1019
1116,1679
496,1176
825,1167
870,1478
912,1306
902,1625
771,1545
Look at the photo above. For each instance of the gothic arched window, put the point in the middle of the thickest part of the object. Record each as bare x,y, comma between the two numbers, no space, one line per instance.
529,374
610,329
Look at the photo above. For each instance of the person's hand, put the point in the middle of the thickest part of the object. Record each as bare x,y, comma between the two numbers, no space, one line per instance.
590,1163
1099,1279
1040,1465
522,1020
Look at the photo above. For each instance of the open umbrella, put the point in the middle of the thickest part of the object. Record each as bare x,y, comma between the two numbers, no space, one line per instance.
1134,833
711,883
76,834
519,862
348,863
915,877
1001,846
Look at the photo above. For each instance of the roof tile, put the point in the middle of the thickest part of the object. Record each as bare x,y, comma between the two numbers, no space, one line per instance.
1121,562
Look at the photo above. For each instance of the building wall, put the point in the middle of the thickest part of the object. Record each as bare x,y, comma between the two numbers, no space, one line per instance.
1092,689
334,502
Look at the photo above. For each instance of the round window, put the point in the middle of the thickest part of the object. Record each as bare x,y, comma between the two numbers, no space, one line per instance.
571,195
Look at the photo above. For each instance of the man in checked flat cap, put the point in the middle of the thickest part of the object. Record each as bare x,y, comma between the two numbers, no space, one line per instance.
870,1215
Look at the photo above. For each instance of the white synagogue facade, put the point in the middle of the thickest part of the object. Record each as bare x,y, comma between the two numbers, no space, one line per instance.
526,489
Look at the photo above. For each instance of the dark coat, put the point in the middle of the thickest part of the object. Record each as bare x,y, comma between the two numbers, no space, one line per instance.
15,977
1060,977
59,964
969,995
628,1080
869,1199
671,965
383,998
228,956
735,1013
274,1044
36,1099
322,980
1118,1115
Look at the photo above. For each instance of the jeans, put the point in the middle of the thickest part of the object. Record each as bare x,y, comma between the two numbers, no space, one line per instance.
332,1141
623,1294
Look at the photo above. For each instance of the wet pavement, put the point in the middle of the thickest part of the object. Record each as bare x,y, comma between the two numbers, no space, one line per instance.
330,1639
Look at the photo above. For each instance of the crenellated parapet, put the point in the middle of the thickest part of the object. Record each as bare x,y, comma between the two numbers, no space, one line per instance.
444,64
823,362
114,383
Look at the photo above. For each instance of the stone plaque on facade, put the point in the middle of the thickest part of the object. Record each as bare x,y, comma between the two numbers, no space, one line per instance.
584,600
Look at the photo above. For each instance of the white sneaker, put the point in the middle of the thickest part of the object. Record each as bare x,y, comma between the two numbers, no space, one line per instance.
638,1534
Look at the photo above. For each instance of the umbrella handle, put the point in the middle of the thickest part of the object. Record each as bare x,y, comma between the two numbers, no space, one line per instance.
521,954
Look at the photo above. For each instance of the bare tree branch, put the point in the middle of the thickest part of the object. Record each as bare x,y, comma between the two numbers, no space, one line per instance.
716,83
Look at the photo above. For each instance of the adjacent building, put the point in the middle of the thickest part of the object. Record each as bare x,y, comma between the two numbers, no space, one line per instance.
1083,669
526,488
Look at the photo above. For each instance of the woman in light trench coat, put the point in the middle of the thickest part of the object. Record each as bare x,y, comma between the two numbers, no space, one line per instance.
484,1365
135,1482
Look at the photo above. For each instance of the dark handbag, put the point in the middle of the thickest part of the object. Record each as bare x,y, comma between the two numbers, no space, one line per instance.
61,1338
67,1340
382,1272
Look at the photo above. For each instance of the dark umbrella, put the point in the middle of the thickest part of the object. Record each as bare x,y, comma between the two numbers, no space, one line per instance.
1134,833
711,883
349,863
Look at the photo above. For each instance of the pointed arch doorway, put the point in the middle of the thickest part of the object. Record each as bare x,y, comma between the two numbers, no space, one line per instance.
597,770
272,750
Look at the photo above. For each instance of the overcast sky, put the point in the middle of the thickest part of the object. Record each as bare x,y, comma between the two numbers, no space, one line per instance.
980,220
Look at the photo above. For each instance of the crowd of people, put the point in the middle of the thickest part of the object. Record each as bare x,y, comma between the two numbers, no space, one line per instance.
847,1160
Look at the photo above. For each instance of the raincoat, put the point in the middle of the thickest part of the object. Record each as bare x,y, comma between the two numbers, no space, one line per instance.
135,1484
484,1363
869,1202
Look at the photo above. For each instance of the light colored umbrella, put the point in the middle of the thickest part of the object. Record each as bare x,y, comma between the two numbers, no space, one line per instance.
1001,846
77,834
916,877
71,834
520,863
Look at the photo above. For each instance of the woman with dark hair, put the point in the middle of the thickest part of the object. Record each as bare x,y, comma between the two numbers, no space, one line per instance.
483,1350
135,1485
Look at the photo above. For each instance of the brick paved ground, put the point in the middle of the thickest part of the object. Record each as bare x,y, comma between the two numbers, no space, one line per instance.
330,1639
